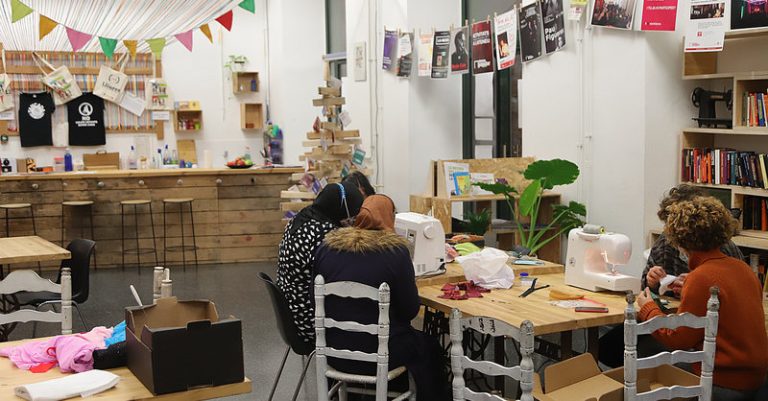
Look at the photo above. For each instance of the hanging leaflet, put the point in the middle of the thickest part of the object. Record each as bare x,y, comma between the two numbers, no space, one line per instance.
390,49
405,55
705,31
482,47
459,51
659,15
440,54
614,14
505,26
554,25
425,54
530,30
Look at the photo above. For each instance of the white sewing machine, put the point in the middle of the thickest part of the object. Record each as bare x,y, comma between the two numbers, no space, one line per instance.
592,257
426,241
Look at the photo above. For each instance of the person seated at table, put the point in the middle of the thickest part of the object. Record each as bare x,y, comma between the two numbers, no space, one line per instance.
334,205
699,228
371,253
362,183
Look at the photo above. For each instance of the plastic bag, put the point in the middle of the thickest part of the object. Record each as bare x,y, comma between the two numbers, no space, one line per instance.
488,268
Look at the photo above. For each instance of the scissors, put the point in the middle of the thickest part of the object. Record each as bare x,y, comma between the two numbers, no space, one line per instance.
533,288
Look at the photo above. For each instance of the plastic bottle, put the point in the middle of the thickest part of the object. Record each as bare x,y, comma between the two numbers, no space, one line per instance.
157,160
166,155
132,164
254,85
174,157
68,165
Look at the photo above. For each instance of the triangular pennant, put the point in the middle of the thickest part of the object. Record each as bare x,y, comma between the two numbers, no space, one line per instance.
225,20
108,46
186,39
156,45
207,32
131,46
46,26
19,10
77,39
248,5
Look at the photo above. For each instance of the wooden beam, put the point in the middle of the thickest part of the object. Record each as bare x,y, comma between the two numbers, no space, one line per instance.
329,101
327,91
337,135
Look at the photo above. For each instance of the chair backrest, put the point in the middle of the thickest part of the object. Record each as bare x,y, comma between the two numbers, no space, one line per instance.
286,326
349,289
28,280
706,356
80,266
494,328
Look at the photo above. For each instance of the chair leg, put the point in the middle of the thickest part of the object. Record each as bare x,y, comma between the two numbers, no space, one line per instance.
122,233
343,392
34,232
62,225
165,239
93,238
183,244
77,308
138,244
303,375
154,238
411,387
194,240
279,373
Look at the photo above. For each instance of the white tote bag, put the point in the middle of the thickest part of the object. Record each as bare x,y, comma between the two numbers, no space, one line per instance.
6,94
59,80
110,84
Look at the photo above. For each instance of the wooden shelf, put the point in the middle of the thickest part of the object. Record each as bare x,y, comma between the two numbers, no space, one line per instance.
245,82
725,75
741,240
736,189
183,119
746,33
738,130
251,116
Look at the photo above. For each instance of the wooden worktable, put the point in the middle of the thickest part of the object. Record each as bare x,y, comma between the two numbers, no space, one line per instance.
30,249
455,273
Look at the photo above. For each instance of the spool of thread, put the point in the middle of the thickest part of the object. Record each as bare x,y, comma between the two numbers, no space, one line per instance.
593,229
207,163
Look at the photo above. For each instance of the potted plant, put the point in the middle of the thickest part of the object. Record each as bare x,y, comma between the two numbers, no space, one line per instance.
544,175
236,62
477,223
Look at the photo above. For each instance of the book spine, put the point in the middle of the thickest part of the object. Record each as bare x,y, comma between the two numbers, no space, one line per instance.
760,110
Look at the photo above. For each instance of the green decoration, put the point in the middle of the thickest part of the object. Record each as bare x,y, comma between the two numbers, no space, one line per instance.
108,46
248,5
19,10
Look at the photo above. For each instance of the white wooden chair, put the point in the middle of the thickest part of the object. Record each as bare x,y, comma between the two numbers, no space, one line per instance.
28,280
495,328
706,356
348,289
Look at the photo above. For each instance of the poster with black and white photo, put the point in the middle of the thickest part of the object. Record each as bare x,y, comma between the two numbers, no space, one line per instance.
530,30
482,48
459,51
440,54
613,13
505,28
424,54
390,49
405,54
554,25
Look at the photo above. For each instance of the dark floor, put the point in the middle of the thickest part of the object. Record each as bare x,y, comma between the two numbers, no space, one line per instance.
236,290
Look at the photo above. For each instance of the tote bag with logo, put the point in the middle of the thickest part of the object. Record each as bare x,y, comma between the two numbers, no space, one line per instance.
110,84
59,80
6,95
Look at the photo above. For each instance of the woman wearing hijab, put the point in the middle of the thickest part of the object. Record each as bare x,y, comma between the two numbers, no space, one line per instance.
335,204
371,253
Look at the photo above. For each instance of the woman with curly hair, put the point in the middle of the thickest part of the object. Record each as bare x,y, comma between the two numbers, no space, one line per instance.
699,227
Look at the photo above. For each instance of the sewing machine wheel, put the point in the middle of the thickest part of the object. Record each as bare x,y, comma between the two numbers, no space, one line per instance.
696,96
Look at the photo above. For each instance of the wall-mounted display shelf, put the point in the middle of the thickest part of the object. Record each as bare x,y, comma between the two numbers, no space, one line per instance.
251,116
245,82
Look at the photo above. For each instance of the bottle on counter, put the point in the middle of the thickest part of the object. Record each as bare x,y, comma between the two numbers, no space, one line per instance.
132,162
174,157
166,155
157,160
68,165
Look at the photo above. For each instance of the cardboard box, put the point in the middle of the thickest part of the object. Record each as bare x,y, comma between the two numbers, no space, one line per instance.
177,345
101,161
580,379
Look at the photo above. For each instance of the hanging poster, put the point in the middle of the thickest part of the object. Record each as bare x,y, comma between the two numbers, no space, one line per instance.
748,14
440,54
530,30
659,15
459,51
705,31
613,13
425,54
405,54
390,49
482,48
554,25
360,62
505,27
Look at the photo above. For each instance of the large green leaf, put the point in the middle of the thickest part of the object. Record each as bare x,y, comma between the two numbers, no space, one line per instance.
529,197
552,172
496,188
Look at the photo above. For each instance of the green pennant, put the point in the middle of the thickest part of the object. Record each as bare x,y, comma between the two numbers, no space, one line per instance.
19,10
248,5
156,45
108,46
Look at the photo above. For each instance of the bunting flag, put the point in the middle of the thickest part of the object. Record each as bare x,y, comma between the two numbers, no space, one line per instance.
46,26
225,20
131,46
19,10
77,39
207,32
185,39
156,45
108,46
248,5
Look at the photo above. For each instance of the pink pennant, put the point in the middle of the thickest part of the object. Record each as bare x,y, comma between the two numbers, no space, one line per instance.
77,39
186,39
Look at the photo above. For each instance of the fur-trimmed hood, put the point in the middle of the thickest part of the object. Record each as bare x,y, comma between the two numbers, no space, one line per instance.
351,239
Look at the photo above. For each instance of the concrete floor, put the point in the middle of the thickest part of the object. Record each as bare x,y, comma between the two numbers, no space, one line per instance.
236,290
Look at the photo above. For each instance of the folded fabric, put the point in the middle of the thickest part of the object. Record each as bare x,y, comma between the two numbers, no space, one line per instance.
83,384
114,356
73,353
118,334
467,248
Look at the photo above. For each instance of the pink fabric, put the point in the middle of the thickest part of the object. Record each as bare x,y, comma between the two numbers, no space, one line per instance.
73,353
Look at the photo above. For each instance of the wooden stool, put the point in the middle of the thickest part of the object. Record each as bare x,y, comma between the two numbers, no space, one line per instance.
183,248
18,206
138,250
79,204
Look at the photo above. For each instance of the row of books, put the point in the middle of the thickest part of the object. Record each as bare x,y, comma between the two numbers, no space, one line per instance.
755,213
724,167
753,109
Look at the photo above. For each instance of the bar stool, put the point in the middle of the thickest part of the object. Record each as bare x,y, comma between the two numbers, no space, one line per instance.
136,203
7,207
183,248
79,204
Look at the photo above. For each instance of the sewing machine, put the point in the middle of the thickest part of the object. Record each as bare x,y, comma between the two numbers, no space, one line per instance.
426,241
706,101
592,257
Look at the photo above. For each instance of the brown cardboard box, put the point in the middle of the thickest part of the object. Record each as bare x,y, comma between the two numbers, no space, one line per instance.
101,161
176,345
580,379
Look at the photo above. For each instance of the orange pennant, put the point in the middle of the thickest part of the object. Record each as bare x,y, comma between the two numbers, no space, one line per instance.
131,46
207,32
46,26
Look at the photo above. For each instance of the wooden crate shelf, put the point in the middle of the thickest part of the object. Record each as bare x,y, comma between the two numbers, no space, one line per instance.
251,116
188,120
245,82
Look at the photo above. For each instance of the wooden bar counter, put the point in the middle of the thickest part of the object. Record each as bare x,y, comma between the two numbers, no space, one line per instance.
237,212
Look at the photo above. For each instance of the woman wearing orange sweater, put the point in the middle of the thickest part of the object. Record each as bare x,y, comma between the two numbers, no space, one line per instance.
699,227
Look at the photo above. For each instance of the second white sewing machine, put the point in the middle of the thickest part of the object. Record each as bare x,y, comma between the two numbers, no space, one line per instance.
592,258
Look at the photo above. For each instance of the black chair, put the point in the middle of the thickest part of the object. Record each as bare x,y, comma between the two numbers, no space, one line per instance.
288,332
80,265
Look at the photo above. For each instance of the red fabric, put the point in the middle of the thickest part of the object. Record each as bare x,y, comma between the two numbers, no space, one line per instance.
471,290
225,20
43,367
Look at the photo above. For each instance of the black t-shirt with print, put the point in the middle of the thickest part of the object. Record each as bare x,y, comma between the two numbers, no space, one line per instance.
35,113
86,121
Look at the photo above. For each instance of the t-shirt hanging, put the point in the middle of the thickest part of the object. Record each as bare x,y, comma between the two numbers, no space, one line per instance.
35,112
86,121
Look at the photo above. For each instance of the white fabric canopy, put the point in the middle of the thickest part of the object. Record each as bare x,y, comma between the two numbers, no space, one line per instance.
114,19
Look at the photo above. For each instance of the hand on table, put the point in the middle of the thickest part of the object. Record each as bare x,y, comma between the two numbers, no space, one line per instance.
644,297
654,276
677,285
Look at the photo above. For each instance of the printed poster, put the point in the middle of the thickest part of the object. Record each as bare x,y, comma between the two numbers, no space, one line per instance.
659,15
748,14
425,54
554,25
505,27
459,51
530,30
440,49
390,49
705,31
405,55
482,48
613,13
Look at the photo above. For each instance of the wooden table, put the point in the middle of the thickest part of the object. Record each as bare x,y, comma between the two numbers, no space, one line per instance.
455,273
129,387
30,249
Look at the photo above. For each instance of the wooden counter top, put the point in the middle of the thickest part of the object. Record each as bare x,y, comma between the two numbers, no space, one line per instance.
81,175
